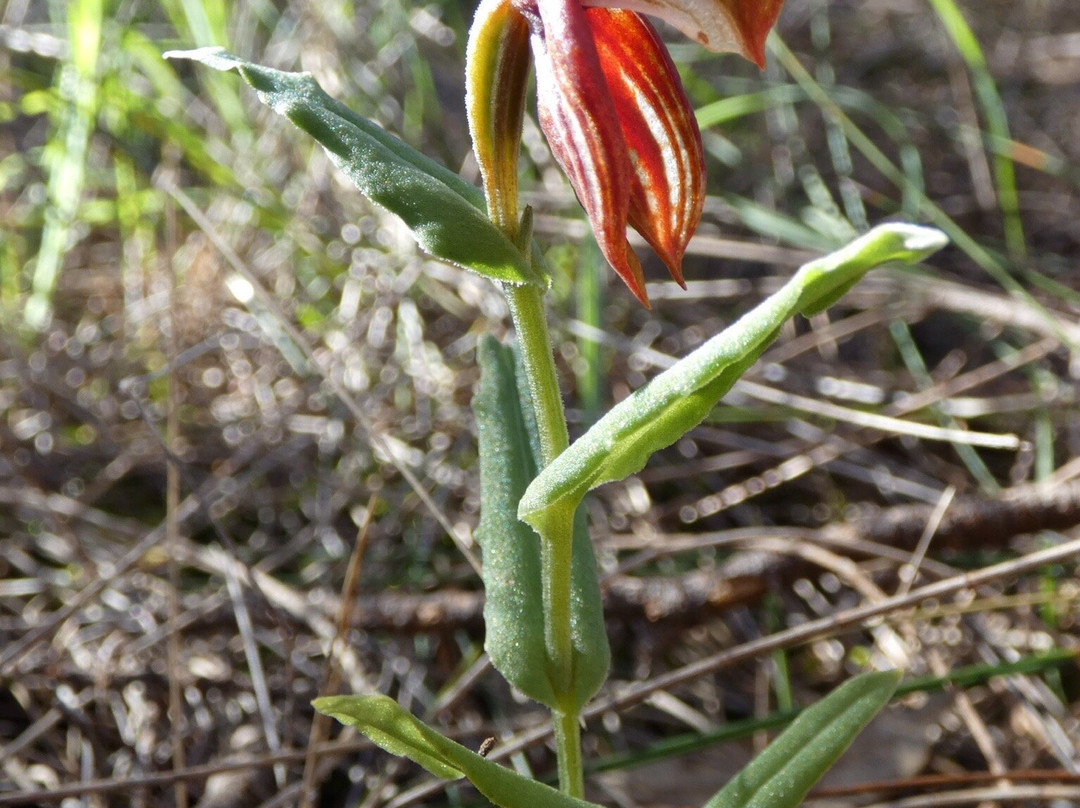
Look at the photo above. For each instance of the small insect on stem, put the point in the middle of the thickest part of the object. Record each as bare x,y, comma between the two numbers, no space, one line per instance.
486,746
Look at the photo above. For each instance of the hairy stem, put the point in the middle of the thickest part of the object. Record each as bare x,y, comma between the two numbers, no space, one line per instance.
527,309
534,341
568,750
530,322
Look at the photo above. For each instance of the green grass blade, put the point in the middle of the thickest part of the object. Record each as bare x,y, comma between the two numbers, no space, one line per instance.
66,154
991,263
204,24
913,360
1046,664
997,122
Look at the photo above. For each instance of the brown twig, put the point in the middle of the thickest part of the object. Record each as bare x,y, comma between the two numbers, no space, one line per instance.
969,522
926,782
172,495
320,725
192,774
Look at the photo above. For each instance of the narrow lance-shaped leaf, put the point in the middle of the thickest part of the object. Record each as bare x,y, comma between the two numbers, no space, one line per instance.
513,601
513,607
788,768
662,411
444,212
400,733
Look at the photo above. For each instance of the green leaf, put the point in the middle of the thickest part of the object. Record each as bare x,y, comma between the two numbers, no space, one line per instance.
662,411
400,733
588,634
444,212
788,768
513,602
513,607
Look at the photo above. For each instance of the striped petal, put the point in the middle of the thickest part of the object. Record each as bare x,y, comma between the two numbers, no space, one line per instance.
617,118
667,190
720,25
581,124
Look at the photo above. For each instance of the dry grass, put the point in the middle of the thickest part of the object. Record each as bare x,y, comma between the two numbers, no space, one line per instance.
149,640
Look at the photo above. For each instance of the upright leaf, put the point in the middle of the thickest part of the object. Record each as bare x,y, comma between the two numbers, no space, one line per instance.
513,608
674,402
588,634
513,603
788,768
444,212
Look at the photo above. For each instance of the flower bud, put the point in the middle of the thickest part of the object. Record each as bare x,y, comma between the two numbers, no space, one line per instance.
496,74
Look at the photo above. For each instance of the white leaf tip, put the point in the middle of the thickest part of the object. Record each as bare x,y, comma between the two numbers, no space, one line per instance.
213,56
918,238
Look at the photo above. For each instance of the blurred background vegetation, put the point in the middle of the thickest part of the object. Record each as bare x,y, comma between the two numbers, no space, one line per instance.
185,278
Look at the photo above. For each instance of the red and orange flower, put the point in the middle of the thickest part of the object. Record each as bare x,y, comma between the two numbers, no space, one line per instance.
612,107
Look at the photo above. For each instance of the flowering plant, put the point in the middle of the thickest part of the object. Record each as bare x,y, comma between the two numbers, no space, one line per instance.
613,110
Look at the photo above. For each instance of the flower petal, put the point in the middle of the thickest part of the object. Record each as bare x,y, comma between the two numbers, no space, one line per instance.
661,134
581,124
720,25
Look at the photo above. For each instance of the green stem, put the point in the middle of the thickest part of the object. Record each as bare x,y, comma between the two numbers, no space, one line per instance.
568,751
530,321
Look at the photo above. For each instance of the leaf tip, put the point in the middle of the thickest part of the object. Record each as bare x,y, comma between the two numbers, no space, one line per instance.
214,56
330,706
923,241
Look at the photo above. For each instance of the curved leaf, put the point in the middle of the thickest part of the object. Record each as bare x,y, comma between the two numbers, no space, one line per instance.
444,212
401,733
674,402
